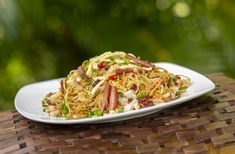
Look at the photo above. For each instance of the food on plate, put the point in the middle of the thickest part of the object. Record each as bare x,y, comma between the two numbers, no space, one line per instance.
111,83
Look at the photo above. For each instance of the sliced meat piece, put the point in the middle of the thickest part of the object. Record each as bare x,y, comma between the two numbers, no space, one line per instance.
144,99
134,87
49,102
107,67
95,83
147,104
82,72
121,71
105,101
113,101
138,61
62,86
50,94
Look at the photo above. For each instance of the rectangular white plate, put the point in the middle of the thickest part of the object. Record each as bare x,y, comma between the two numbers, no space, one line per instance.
28,99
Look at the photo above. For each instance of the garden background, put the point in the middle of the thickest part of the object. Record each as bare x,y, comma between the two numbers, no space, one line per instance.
45,39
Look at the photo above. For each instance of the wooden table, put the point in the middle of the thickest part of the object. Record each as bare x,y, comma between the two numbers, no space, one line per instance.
203,125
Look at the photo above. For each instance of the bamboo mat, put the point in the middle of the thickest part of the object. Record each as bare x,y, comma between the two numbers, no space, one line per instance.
203,125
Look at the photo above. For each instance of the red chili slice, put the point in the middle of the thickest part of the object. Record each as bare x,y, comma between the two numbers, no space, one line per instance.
100,66
112,77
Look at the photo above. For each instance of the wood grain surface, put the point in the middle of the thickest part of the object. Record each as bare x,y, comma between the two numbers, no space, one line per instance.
203,125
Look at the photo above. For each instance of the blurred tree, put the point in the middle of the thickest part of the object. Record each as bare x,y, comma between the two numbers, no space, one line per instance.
44,39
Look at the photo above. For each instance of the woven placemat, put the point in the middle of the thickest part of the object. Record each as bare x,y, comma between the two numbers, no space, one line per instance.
187,128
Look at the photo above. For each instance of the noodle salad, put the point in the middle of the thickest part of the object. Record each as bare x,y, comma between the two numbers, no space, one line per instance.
111,83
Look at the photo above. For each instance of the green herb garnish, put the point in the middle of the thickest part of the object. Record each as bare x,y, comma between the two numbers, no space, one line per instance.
85,64
177,95
141,95
126,61
111,58
120,94
89,114
182,88
64,108
120,109
88,83
96,113
87,95
174,79
44,101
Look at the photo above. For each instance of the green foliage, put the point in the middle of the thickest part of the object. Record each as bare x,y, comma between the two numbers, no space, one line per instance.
44,39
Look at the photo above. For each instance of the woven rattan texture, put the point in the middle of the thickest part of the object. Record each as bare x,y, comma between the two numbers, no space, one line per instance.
187,128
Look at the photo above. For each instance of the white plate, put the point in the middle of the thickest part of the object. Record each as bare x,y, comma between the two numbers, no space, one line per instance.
28,98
